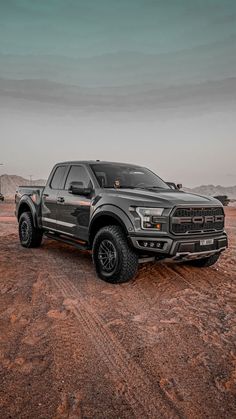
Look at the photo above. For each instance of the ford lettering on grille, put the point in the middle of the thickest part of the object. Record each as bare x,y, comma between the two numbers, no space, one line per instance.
197,220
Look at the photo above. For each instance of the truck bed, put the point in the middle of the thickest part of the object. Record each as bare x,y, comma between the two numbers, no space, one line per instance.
31,194
29,190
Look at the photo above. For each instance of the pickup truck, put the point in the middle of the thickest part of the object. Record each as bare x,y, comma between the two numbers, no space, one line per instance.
124,213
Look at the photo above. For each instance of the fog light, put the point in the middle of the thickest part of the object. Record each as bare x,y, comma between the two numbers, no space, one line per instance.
160,245
152,244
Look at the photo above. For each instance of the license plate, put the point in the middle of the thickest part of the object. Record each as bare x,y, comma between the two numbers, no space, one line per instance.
206,242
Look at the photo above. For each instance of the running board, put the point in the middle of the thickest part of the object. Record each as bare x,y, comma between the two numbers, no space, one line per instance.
146,259
79,245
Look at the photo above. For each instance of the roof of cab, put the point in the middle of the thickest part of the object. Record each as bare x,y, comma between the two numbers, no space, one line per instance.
95,162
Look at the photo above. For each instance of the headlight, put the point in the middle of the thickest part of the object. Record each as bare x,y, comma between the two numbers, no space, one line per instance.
150,217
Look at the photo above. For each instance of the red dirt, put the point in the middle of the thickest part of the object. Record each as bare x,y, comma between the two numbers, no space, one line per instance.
72,346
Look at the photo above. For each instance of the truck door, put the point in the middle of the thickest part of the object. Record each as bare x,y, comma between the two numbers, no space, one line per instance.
73,211
49,197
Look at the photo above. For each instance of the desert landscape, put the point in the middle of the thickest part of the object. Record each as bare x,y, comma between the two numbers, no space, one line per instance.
10,183
152,83
73,346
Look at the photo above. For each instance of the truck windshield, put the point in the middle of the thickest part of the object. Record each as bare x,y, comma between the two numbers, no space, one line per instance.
125,176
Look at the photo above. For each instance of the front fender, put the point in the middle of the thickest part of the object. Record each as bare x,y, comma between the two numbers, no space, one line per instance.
115,212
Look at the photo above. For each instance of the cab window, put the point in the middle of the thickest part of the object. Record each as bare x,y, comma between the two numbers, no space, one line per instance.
58,177
78,174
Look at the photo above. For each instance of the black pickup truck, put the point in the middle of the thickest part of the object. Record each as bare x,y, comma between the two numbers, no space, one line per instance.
124,213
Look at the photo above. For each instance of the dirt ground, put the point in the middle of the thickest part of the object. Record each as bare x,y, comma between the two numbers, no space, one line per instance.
73,346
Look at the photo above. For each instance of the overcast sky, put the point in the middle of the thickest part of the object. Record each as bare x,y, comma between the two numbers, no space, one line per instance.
143,81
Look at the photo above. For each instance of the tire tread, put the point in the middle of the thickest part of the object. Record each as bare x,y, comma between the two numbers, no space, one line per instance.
129,262
36,234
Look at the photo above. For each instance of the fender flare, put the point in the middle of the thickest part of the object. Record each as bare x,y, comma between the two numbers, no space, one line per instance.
26,200
114,212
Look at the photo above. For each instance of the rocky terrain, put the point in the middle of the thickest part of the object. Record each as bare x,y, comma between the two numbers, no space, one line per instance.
214,190
10,183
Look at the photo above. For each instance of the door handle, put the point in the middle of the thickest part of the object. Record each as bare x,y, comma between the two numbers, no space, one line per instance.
60,199
45,195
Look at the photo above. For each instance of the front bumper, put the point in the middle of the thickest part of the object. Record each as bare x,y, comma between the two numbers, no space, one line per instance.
180,248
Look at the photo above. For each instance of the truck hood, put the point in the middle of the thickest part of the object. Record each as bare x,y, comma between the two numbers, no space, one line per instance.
167,198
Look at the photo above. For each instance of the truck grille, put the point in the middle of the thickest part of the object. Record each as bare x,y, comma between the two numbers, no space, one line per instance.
197,220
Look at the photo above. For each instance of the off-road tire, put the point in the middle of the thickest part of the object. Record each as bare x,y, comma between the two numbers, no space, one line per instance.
206,262
126,263
29,235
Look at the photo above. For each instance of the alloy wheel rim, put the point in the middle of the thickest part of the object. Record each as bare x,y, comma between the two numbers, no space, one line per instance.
107,256
24,229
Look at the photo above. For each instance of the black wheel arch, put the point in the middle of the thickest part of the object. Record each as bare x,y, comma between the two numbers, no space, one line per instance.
26,205
110,215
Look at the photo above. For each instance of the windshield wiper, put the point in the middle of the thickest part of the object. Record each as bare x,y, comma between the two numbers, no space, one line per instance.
123,187
133,187
119,187
154,187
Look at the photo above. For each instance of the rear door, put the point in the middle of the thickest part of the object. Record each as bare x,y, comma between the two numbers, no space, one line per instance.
73,213
49,198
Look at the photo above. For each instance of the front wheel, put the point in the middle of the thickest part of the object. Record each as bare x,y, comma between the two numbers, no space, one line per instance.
29,235
206,262
115,261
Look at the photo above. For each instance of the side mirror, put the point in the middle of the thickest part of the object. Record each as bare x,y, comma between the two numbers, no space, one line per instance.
77,188
173,185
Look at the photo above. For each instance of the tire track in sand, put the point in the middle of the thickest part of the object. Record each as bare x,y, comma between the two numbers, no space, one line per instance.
144,399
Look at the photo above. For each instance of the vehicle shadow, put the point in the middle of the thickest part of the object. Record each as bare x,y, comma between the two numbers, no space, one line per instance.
150,276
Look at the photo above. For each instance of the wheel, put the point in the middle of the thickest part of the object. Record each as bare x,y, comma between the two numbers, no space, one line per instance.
115,261
29,235
206,262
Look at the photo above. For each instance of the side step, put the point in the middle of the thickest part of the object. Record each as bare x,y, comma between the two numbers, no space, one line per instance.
146,259
76,243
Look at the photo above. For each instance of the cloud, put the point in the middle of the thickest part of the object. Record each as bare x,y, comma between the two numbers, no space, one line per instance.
175,99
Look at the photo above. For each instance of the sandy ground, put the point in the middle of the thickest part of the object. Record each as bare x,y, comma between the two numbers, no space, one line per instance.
72,346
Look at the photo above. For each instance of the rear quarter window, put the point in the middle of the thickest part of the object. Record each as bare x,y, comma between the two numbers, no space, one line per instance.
58,177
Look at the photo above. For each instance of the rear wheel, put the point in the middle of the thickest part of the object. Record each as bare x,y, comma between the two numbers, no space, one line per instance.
206,262
28,234
115,261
